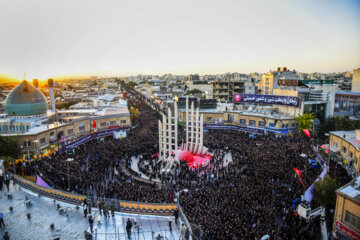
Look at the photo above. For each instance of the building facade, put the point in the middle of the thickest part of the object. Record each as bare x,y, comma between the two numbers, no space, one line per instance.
347,145
347,211
347,104
225,89
270,80
270,123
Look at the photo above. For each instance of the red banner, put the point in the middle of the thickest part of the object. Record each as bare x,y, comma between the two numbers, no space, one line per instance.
348,231
307,133
298,172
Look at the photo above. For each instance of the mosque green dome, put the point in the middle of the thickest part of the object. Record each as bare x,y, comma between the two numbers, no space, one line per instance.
25,100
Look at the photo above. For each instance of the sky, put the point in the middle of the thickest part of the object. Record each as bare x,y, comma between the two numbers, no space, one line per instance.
46,38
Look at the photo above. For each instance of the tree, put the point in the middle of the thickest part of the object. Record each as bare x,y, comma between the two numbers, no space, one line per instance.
135,113
9,146
194,91
131,84
324,192
339,123
305,121
7,161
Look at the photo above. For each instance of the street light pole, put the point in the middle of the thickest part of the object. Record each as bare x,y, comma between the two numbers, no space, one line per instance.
67,163
27,147
36,152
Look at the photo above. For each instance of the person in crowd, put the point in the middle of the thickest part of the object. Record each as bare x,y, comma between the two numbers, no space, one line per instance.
87,235
128,227
85,209
7,182
170,224
91,223
2,220
88,203
106,210
112,208
99,205
176,215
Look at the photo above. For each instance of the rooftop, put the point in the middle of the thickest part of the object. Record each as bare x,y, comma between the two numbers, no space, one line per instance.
352,189
348,136
348,93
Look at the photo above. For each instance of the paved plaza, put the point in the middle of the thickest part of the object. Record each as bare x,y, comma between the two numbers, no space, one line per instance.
71,225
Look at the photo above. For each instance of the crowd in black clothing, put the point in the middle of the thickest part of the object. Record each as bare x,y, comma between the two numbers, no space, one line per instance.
247,200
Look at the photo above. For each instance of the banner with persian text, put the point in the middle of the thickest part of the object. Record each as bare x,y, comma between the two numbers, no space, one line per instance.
267,99
234,127
91,136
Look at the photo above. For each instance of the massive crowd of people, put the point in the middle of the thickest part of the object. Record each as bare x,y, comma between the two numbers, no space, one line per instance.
248,199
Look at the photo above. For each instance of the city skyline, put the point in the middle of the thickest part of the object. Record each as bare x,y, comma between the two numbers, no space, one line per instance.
115,38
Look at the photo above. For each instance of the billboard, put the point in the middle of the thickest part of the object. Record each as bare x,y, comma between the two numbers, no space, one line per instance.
94,135
267,99
234,127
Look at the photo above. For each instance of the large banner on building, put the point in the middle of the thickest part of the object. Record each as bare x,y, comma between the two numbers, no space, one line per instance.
85,139
233,127
267,99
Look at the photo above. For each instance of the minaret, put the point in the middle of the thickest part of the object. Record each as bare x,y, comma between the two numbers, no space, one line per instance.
51,91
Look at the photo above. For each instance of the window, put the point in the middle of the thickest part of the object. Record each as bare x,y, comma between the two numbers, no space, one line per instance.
231,118
350,154
335,145
209,119
122,122
344,149
252,122
70,131
283,126
272,124
27,128
356,159
112,123
42,141
352,219
52,134
293,125
261,124
82,128
243,121
103,124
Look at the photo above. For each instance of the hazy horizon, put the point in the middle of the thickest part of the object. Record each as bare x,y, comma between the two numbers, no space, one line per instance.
120,38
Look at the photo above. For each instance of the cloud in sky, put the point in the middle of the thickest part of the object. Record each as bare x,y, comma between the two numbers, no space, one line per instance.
49,38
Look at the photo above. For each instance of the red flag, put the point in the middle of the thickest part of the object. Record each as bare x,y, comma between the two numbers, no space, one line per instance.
298,172
307,133
94,124
155,155
327,150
